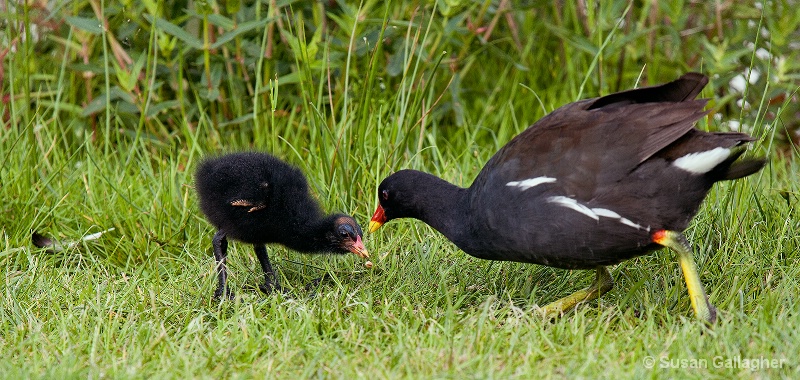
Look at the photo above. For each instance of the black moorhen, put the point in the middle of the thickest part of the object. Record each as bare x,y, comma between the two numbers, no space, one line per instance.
593,183
258,199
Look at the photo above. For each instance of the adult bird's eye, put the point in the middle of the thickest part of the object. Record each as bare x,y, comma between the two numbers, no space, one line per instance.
385,195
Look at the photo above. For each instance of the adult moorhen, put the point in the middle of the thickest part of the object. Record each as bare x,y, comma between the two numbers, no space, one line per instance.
593,183
258,199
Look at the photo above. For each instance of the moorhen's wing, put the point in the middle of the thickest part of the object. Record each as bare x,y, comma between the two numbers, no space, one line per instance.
257,197
582,147
536,194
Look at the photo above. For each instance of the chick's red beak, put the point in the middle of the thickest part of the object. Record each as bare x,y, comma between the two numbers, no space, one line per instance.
378,219
359,249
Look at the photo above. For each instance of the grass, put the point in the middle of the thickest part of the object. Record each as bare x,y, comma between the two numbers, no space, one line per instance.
136,303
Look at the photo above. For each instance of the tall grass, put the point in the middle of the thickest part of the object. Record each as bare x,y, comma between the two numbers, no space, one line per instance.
103,128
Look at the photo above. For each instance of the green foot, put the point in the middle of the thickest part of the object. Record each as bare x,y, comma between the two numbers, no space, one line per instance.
601,285
703,309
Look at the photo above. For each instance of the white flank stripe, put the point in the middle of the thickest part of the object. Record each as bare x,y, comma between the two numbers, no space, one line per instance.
594,213
528,183
606,213
573,204
627,222
702,162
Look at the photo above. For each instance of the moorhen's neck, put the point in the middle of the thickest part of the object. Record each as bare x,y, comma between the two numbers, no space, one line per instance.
441,205
311,235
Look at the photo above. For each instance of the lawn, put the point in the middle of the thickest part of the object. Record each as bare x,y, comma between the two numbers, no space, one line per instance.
103,128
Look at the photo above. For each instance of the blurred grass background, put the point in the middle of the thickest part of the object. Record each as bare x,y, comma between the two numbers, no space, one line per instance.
107,108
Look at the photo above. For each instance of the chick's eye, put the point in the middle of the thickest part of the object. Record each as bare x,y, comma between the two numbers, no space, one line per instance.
345,232
385,194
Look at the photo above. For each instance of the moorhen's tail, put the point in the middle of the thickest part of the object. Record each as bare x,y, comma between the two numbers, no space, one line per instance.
733,167
742,168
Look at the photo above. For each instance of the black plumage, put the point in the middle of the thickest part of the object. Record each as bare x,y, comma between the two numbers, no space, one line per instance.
258,199
593,183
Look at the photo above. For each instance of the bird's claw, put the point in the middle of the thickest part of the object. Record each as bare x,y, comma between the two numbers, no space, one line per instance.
228,294
271,287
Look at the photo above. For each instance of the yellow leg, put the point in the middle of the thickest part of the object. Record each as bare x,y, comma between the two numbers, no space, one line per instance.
601,285
703,309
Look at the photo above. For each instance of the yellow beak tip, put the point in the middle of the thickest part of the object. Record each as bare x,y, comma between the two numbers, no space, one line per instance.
373,226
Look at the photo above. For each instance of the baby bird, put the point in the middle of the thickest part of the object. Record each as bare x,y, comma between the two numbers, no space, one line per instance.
258,199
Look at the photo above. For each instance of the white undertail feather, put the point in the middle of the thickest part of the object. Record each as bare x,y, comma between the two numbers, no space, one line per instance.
531,182
702,162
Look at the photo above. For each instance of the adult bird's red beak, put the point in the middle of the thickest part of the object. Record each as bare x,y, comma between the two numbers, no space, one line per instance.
378,219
